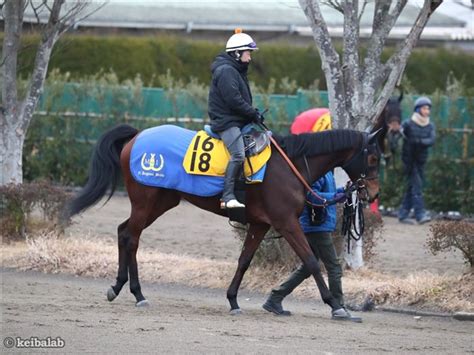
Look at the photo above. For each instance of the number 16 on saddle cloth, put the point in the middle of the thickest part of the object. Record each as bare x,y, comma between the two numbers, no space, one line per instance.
209,156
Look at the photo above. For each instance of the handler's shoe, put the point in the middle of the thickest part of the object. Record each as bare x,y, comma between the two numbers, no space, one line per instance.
231,204
343,314
274,306
406,221
424,219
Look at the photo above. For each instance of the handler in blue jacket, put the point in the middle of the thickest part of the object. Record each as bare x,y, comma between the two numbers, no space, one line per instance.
318,232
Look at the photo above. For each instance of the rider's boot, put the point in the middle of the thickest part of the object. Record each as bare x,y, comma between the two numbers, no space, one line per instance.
228,199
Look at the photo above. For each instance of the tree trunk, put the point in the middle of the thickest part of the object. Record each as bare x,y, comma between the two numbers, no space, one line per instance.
16,113
13,135
11,148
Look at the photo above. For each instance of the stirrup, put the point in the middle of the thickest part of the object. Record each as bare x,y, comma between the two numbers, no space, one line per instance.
231,204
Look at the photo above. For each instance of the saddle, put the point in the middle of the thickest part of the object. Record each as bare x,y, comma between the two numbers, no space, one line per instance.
256,139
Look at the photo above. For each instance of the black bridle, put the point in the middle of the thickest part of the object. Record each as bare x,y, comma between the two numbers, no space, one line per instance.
352,167
353,222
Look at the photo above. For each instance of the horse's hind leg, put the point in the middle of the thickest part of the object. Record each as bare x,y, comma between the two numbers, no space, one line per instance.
164,201
253,239
152,204
122,275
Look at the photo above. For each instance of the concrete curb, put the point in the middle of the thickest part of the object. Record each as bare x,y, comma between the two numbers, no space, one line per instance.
413,312
461,316
464,316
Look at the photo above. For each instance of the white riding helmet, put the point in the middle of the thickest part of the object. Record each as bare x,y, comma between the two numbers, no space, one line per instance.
240,41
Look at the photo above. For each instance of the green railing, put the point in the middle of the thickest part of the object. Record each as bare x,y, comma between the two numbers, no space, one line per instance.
71,118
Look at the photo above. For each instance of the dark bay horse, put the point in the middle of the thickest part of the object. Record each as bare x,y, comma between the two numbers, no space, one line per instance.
389,121
277,201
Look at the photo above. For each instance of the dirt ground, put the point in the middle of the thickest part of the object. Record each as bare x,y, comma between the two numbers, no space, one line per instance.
194,320
190,231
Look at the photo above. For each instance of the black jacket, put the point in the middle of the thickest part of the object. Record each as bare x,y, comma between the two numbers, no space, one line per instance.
230,99
417,141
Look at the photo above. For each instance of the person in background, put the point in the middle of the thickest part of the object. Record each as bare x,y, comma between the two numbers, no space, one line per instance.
419,134
317,224
230,106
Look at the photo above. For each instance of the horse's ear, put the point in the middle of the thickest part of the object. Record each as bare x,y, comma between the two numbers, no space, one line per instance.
373,135
400,98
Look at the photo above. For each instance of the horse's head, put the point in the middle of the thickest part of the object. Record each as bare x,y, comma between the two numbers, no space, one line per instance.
392,112
389,120
363,167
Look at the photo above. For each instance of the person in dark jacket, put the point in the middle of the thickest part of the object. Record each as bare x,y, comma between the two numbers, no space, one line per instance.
230,106
318,233
419,134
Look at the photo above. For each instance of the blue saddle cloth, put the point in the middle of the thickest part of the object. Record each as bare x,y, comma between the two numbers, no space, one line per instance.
157,160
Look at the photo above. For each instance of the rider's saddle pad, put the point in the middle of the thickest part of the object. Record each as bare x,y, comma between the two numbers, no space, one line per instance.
209,156
180,159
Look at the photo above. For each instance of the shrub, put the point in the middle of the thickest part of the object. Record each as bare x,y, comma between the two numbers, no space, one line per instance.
370,238
18,202
446,236
152,56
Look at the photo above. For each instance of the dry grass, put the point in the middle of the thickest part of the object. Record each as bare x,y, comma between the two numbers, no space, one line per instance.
98,258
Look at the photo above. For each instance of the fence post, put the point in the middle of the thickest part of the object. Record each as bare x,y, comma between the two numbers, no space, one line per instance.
465,142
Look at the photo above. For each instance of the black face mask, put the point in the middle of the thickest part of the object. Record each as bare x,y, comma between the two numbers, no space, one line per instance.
244,65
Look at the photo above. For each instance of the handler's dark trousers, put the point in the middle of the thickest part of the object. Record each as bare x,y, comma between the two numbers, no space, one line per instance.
323,248
413,196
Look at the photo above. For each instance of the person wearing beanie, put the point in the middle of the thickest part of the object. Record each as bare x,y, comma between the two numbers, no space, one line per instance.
419,134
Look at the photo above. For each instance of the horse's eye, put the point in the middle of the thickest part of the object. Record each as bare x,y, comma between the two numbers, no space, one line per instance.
373,160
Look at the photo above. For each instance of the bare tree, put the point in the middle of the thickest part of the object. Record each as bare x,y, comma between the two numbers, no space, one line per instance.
359,87
54,19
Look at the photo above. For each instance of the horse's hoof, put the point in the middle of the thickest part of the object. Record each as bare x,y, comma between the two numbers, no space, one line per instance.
111,294
235,312
143,303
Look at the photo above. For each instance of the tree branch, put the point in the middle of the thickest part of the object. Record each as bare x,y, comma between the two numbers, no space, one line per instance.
396,64
37,10
363,9
329,59
2,4
350,65
13,11
373,74
56,25
335,4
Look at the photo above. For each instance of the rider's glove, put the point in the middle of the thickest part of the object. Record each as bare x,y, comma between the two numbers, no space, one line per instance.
258,116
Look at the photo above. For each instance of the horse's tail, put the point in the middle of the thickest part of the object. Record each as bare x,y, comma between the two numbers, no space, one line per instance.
104,169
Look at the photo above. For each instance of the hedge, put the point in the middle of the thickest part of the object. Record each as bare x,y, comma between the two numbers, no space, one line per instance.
427,69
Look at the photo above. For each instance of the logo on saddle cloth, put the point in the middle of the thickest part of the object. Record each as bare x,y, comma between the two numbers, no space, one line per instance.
151,164
209,156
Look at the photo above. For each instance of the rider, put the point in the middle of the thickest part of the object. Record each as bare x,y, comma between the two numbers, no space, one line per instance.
230,106
318,233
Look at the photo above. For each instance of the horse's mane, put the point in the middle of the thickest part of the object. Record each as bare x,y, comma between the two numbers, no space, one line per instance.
310,144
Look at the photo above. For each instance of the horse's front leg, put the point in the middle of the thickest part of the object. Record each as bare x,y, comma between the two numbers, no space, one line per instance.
253,239
294,235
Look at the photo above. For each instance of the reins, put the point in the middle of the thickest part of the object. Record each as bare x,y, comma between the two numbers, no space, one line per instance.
353,222
300,177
